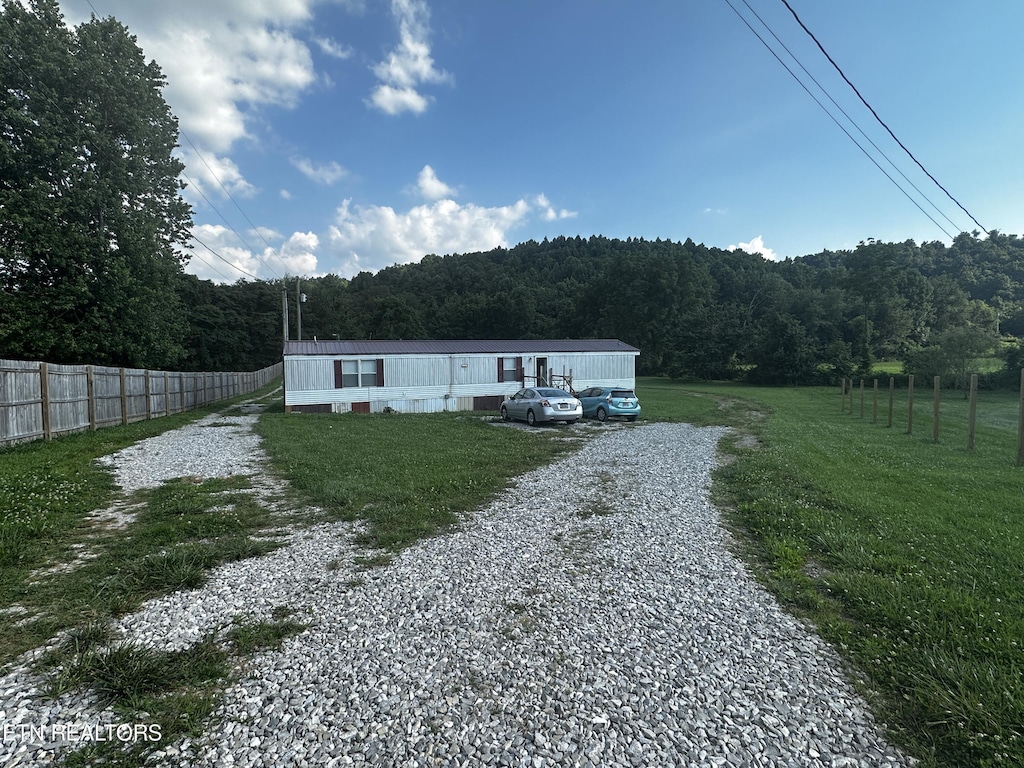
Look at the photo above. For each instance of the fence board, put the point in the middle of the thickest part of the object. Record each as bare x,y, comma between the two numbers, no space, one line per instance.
67,392
21,413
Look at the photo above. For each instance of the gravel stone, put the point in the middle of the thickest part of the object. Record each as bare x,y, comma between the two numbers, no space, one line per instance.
591,615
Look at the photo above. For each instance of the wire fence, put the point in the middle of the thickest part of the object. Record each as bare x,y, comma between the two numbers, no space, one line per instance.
875,403
45,400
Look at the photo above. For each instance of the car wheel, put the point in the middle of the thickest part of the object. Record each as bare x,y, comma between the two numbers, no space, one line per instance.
504,414
531,419
602,414
631,418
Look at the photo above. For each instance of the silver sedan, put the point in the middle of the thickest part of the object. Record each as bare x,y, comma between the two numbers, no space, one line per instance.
541,404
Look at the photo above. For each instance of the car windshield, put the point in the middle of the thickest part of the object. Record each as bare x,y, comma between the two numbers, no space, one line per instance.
622,393
552,393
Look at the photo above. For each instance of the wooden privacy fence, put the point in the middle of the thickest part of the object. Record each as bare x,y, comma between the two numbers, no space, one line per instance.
847,391
45,400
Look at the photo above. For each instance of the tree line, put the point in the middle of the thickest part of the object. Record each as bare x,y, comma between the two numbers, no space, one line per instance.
93,231
702,312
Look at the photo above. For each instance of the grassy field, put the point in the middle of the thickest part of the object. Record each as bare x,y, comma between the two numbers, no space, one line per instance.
907,554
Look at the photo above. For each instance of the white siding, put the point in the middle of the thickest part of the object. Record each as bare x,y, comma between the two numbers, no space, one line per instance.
431,383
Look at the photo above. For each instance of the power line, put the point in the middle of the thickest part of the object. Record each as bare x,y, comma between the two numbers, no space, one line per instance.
848,117
232,199
234,266
194,255
833,118
237,234
879,119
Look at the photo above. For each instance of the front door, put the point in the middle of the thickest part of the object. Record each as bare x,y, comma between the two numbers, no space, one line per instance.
542,371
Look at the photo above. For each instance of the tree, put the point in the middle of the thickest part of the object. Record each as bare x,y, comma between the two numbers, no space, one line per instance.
90,205
954,355
783,352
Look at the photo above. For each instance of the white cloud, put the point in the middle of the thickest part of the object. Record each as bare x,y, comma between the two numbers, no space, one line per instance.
756,246
409,65
222,61
374,237
211,175
548,213
219,254
298,254
285,194
332,48
327,173
431,187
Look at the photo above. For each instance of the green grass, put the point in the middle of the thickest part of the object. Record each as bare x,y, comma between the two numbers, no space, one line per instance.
49,488
907,554
172,693
405,476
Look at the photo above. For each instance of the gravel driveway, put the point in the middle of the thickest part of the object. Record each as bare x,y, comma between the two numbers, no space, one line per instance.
603,625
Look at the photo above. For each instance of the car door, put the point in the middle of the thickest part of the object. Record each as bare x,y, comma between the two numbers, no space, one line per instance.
584,397
590,401
516,407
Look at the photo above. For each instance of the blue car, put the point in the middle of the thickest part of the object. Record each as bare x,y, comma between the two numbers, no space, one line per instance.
603,402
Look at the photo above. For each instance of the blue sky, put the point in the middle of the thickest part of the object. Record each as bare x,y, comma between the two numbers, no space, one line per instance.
334,136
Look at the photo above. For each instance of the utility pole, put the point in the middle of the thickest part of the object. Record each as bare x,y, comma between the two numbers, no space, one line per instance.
284,313
299,298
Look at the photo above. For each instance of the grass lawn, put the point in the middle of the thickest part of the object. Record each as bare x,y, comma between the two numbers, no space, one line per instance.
907,554
405,475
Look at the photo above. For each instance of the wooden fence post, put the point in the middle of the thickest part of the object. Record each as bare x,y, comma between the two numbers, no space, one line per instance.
972,413
936,384
90,388
44,396
842,395
124,396
910,404
167,394
892,389
862,398
874,403
1020,422
149,394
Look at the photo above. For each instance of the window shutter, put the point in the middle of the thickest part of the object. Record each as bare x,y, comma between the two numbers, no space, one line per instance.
338,381
501,369
380,371
519,370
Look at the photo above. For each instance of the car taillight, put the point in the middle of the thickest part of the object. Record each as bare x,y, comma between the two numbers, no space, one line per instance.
545,404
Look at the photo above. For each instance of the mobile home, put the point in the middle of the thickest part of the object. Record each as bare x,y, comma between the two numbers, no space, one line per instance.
429,376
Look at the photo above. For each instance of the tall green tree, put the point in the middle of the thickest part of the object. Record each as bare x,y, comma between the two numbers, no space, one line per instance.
90,207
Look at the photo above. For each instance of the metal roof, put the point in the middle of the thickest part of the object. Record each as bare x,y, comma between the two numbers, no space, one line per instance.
454,346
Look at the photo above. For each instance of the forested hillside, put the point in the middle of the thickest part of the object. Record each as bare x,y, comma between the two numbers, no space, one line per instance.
692,310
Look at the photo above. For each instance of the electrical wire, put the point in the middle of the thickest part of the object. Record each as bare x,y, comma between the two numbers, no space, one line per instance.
879,119
833,118
216,178
232,199
237,234
194,255
234,266
848,117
